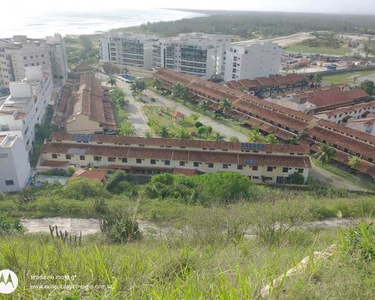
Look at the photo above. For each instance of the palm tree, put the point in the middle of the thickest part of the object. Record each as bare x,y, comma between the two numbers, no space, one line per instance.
179,91
148,134
164,131
325,153
112,81
318,78
255,136
127,129
271,139
217,136
183,133
224,105
234,139
204,105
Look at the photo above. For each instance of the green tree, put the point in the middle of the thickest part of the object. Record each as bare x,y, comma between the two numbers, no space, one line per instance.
296,178
183,133
271,139
179,91
224,106
318,78
115,183
118,96
164,132
368,86
82,188
205,105
325,153
354,162
194,117
127,129
137,86
112,81
234,139
217,136
205,130
255,136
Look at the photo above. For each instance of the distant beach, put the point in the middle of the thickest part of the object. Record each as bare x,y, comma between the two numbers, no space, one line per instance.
41,24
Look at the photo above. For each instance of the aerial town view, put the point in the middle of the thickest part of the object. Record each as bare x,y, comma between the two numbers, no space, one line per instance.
187,151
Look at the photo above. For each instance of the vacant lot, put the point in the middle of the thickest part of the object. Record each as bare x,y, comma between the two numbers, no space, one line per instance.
348,77
320,50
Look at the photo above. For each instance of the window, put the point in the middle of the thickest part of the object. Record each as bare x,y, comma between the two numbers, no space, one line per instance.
182,163
82,157
285,170
124,160
54,156
196,164
68,156
9,182
111,159
42,55
167,162
97,158
240,167
31,56
269,169
24,57
210,165
255,168
225,166
300,171
138,161
256,177
153,161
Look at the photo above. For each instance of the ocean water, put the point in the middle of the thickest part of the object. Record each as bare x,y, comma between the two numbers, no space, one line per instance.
40,24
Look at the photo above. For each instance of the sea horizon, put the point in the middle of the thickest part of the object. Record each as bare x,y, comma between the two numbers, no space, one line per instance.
42,24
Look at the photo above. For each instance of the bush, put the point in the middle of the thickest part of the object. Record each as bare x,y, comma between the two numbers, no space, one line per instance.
10,225
82,188
118,182
70,171
118,227
362,239
297,178
198,124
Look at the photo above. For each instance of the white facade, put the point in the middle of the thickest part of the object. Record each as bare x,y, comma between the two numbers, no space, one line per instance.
15,169
26,105
59,64
20,52
128,49
251,60
196,54
364,125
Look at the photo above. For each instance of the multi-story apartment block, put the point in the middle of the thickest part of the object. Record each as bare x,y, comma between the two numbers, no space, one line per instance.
20,52
59,64
148,156
26,105
249,60
128,49
15,169
196,54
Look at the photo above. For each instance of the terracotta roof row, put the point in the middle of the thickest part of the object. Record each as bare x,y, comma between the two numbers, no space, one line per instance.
90,174
272,81
348,109
182,155
188,144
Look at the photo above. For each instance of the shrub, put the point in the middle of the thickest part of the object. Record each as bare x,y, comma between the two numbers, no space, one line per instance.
10,225
100,206
118,227
70,171
297,178
362,239
82,188
117,183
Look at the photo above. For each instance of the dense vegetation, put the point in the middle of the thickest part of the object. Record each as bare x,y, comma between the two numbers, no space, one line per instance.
265,24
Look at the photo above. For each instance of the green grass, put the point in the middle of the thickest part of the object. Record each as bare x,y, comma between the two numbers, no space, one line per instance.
348,77
321,50
161,116
341,173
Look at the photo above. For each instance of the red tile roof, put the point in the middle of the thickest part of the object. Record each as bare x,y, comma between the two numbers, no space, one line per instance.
54,164
188,172
348,109
177,114
90,174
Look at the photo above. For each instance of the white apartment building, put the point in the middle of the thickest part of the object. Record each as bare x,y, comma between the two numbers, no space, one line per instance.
15,169
250,60
26,105
20,52
128,49
196,54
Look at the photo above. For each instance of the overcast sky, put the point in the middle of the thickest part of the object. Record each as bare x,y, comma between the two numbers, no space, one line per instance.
324,6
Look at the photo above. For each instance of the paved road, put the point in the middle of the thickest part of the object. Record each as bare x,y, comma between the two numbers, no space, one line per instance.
136,116
333,180
227,131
